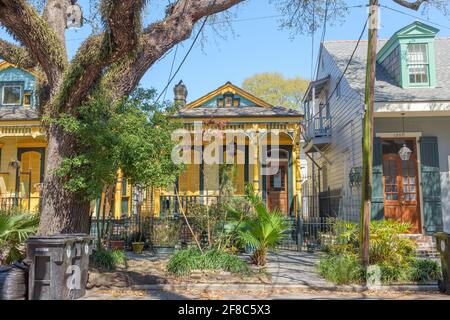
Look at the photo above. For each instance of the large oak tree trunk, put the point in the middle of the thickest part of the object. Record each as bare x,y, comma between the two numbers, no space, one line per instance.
62,211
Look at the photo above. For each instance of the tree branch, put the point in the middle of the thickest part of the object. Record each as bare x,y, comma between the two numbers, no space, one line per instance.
16,55
160,37
33,32
411,5
100,51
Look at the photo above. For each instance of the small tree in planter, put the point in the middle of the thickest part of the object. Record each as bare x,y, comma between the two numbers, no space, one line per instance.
262,231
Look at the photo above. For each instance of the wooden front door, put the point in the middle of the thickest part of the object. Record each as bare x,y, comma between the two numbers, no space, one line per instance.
401,183
277,189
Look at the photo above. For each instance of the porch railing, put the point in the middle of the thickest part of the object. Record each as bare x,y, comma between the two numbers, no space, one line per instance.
170,204
319,127
10,203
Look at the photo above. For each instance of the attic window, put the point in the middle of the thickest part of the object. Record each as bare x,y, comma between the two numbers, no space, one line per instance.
220,103
228,102
12,95
27,99
418,64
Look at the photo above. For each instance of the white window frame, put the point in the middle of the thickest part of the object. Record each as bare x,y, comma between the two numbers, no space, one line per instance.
12,86
415,64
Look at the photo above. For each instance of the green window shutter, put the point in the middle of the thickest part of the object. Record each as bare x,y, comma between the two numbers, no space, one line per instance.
377,174
431,185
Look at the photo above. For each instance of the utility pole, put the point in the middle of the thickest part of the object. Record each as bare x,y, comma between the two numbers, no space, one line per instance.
368,132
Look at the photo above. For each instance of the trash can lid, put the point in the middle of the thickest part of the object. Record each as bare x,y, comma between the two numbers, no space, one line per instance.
53,239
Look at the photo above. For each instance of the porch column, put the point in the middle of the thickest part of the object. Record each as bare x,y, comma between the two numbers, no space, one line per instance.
256,171
118,196
296,166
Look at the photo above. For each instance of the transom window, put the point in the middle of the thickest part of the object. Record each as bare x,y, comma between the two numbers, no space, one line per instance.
12,95
418,63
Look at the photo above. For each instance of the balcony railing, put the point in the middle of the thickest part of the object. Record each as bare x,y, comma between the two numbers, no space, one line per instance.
319,127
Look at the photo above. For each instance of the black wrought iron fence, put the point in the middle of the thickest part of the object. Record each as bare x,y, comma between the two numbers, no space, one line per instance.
304,233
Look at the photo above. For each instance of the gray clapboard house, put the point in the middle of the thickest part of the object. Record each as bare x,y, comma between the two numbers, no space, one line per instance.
412,128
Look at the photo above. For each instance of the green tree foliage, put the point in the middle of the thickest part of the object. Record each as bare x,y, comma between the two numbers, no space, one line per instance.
276,89
133,135
15,228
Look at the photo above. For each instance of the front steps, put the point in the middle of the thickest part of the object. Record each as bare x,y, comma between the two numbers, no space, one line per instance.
426,245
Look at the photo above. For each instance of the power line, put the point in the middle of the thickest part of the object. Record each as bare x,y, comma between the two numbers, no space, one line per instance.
184,59
415,17
351,59
324,31
171,69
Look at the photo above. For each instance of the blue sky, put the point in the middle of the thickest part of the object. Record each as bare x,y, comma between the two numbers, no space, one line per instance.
257,45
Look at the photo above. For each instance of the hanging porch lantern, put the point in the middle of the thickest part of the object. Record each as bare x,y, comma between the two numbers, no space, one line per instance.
405,153
74,16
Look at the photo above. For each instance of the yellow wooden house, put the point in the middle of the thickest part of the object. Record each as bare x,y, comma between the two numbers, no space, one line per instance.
23,145
248,131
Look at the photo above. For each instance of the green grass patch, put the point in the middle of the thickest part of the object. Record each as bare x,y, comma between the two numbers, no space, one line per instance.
108,260
183,262
344,269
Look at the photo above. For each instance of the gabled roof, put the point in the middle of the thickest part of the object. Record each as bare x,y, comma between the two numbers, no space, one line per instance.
416,30
255,107
5,65
386,88
228,88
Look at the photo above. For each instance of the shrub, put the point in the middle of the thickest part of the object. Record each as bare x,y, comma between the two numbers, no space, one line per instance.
392,252
425,270
108,260
15,228
343,269
184,261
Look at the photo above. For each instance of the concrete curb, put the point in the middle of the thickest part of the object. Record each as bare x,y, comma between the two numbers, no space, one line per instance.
268,287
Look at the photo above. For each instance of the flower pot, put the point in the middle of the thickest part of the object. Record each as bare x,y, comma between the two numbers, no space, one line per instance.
164,249
117,245
138,247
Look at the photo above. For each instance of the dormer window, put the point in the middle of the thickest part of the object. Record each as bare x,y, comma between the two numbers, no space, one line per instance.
409,58
11,95
418,68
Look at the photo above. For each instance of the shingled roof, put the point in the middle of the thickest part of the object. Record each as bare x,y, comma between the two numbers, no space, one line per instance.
246,112
387,90
18,113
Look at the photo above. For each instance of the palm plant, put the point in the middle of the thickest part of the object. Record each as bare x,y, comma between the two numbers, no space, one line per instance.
15,228
263,231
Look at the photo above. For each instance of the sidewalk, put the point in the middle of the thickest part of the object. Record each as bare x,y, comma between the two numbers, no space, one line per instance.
294,276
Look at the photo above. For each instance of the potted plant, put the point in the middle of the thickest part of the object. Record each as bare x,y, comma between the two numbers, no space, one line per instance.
138,243
166,235
117,242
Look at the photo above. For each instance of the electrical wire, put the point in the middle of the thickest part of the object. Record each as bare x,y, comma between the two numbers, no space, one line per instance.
184,59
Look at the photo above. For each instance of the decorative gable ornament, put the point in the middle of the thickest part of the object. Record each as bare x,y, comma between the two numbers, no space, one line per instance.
74,16
405,153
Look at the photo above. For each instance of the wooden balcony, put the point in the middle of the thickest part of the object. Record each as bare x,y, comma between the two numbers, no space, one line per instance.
318,133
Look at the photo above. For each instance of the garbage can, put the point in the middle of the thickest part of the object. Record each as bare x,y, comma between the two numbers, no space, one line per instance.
443,246
58,266
83,244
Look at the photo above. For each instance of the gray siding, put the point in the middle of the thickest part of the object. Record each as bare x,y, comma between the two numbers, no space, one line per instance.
344,153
